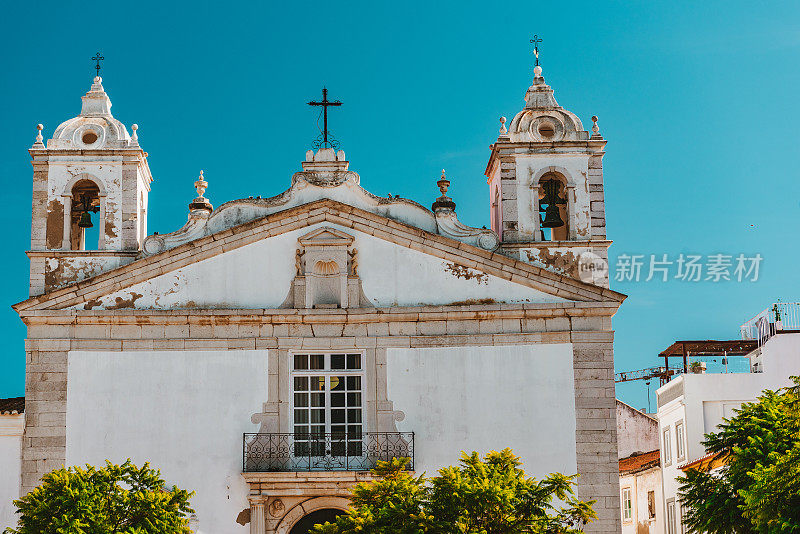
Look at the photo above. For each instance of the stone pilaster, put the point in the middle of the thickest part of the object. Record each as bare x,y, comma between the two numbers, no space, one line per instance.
596,430
257,517
45,439
597,210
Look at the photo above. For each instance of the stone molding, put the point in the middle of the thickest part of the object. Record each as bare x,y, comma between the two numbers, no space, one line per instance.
495,264
283,499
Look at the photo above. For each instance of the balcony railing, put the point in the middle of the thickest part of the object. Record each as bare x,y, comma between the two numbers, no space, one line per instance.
778,317
324,452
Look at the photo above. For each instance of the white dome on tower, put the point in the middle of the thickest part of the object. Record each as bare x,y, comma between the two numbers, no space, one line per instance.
95,127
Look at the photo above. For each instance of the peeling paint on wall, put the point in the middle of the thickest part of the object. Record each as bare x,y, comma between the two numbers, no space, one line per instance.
470,302
55,224
559,262
120,303
463,272
93,304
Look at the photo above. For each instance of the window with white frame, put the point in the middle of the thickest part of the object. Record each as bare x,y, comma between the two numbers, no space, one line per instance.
666,447
671,516
627,505
680,441
327,417
682,510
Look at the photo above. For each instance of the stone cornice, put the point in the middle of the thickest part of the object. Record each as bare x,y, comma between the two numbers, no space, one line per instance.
477,312
556,244
60,253
446,248
592,147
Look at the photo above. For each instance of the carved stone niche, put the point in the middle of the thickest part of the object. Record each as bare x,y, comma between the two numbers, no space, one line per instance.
327,272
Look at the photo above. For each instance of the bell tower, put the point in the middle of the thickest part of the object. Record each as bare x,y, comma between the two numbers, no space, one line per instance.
90,187
545,176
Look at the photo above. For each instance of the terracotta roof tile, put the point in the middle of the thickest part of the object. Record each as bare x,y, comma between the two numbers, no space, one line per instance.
12,405
640,462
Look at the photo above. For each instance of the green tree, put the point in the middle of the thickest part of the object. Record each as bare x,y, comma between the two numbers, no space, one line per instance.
113,499
488,495
758,489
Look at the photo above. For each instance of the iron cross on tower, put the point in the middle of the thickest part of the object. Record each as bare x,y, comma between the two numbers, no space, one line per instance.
97,59
535,41
323,141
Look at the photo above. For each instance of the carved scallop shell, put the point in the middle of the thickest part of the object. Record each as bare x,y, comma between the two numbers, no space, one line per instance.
326,267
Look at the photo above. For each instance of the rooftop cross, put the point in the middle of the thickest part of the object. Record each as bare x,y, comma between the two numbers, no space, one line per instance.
325,103
535,41
97,59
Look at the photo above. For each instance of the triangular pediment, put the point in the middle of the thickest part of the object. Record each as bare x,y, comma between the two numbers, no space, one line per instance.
326,236
407,260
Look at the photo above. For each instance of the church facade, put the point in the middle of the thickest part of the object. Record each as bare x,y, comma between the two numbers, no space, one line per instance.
270,351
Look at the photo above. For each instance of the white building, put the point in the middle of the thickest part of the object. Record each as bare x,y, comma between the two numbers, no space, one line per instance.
694,404
12,423
273,349
639,472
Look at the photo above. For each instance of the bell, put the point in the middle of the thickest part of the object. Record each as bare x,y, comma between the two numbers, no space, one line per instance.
85,221
552,215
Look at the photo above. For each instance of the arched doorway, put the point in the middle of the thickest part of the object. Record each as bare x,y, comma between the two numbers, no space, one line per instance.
317,517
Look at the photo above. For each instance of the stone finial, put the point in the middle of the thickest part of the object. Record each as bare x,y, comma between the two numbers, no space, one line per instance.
201,203
503,129
443,202
595,127
537,71
39,139
134,135
201,185
443,183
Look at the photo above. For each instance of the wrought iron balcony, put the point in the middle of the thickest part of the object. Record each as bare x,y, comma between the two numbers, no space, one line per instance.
334,451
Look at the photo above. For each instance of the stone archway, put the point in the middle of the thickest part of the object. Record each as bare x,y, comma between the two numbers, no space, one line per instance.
298,512
317,517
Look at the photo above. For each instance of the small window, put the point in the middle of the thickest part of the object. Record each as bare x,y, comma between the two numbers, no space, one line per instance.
666,448
627,505
671,516
651,504
89,137
546,130
679,441
682,510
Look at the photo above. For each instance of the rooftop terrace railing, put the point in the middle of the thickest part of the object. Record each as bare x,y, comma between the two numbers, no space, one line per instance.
780,316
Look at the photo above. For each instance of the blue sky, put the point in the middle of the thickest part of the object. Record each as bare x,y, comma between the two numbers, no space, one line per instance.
698,102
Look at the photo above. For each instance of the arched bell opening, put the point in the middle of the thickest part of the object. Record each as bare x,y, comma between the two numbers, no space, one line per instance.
84,224
553,208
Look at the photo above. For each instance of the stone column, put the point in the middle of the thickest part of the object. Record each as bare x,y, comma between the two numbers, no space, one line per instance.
66,243
257,518
101,222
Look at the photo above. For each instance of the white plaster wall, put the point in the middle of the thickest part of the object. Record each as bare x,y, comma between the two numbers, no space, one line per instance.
576,165
11,427
636,432
640,484
259,276
487,398
184,411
